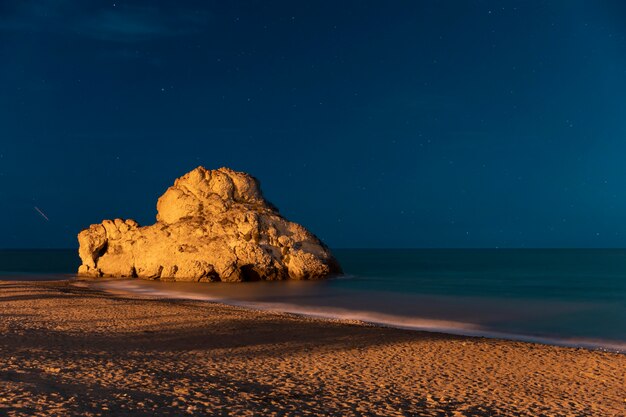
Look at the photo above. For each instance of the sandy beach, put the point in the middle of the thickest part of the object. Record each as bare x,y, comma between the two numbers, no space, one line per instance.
71,350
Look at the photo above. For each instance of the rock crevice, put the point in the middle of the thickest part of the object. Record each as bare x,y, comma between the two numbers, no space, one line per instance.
212,225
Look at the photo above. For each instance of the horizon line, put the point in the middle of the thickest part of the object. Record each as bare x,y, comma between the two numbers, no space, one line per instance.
400,248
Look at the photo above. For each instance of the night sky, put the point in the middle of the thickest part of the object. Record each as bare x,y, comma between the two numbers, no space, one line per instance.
374,124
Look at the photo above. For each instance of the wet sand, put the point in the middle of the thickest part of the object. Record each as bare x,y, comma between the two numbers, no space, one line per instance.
68,350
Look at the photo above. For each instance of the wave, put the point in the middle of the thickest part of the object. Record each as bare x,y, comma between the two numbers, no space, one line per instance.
361,316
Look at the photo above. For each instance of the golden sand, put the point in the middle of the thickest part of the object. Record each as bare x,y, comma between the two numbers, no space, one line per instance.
67,350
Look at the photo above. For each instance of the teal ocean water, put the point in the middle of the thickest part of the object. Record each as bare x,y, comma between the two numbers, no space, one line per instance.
560,296
38,264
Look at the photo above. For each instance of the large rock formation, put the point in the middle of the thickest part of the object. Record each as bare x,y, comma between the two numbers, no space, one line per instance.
211,226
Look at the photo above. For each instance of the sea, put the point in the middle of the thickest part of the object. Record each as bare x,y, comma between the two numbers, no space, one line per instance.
569,297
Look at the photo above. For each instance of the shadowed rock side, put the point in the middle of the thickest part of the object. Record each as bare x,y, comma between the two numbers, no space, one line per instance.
212,225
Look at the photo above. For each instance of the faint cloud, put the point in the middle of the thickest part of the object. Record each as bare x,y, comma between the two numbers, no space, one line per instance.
132,24
30,15
126,23
124,26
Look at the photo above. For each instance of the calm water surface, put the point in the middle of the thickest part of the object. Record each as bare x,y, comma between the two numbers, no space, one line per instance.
572,297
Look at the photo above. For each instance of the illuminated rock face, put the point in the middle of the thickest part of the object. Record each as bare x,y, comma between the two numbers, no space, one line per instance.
212,225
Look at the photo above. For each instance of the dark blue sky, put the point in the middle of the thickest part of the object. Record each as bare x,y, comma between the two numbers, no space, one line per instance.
375,124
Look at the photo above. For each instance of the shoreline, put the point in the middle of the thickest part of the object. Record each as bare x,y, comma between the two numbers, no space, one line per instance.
348,316
75,344
373,319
